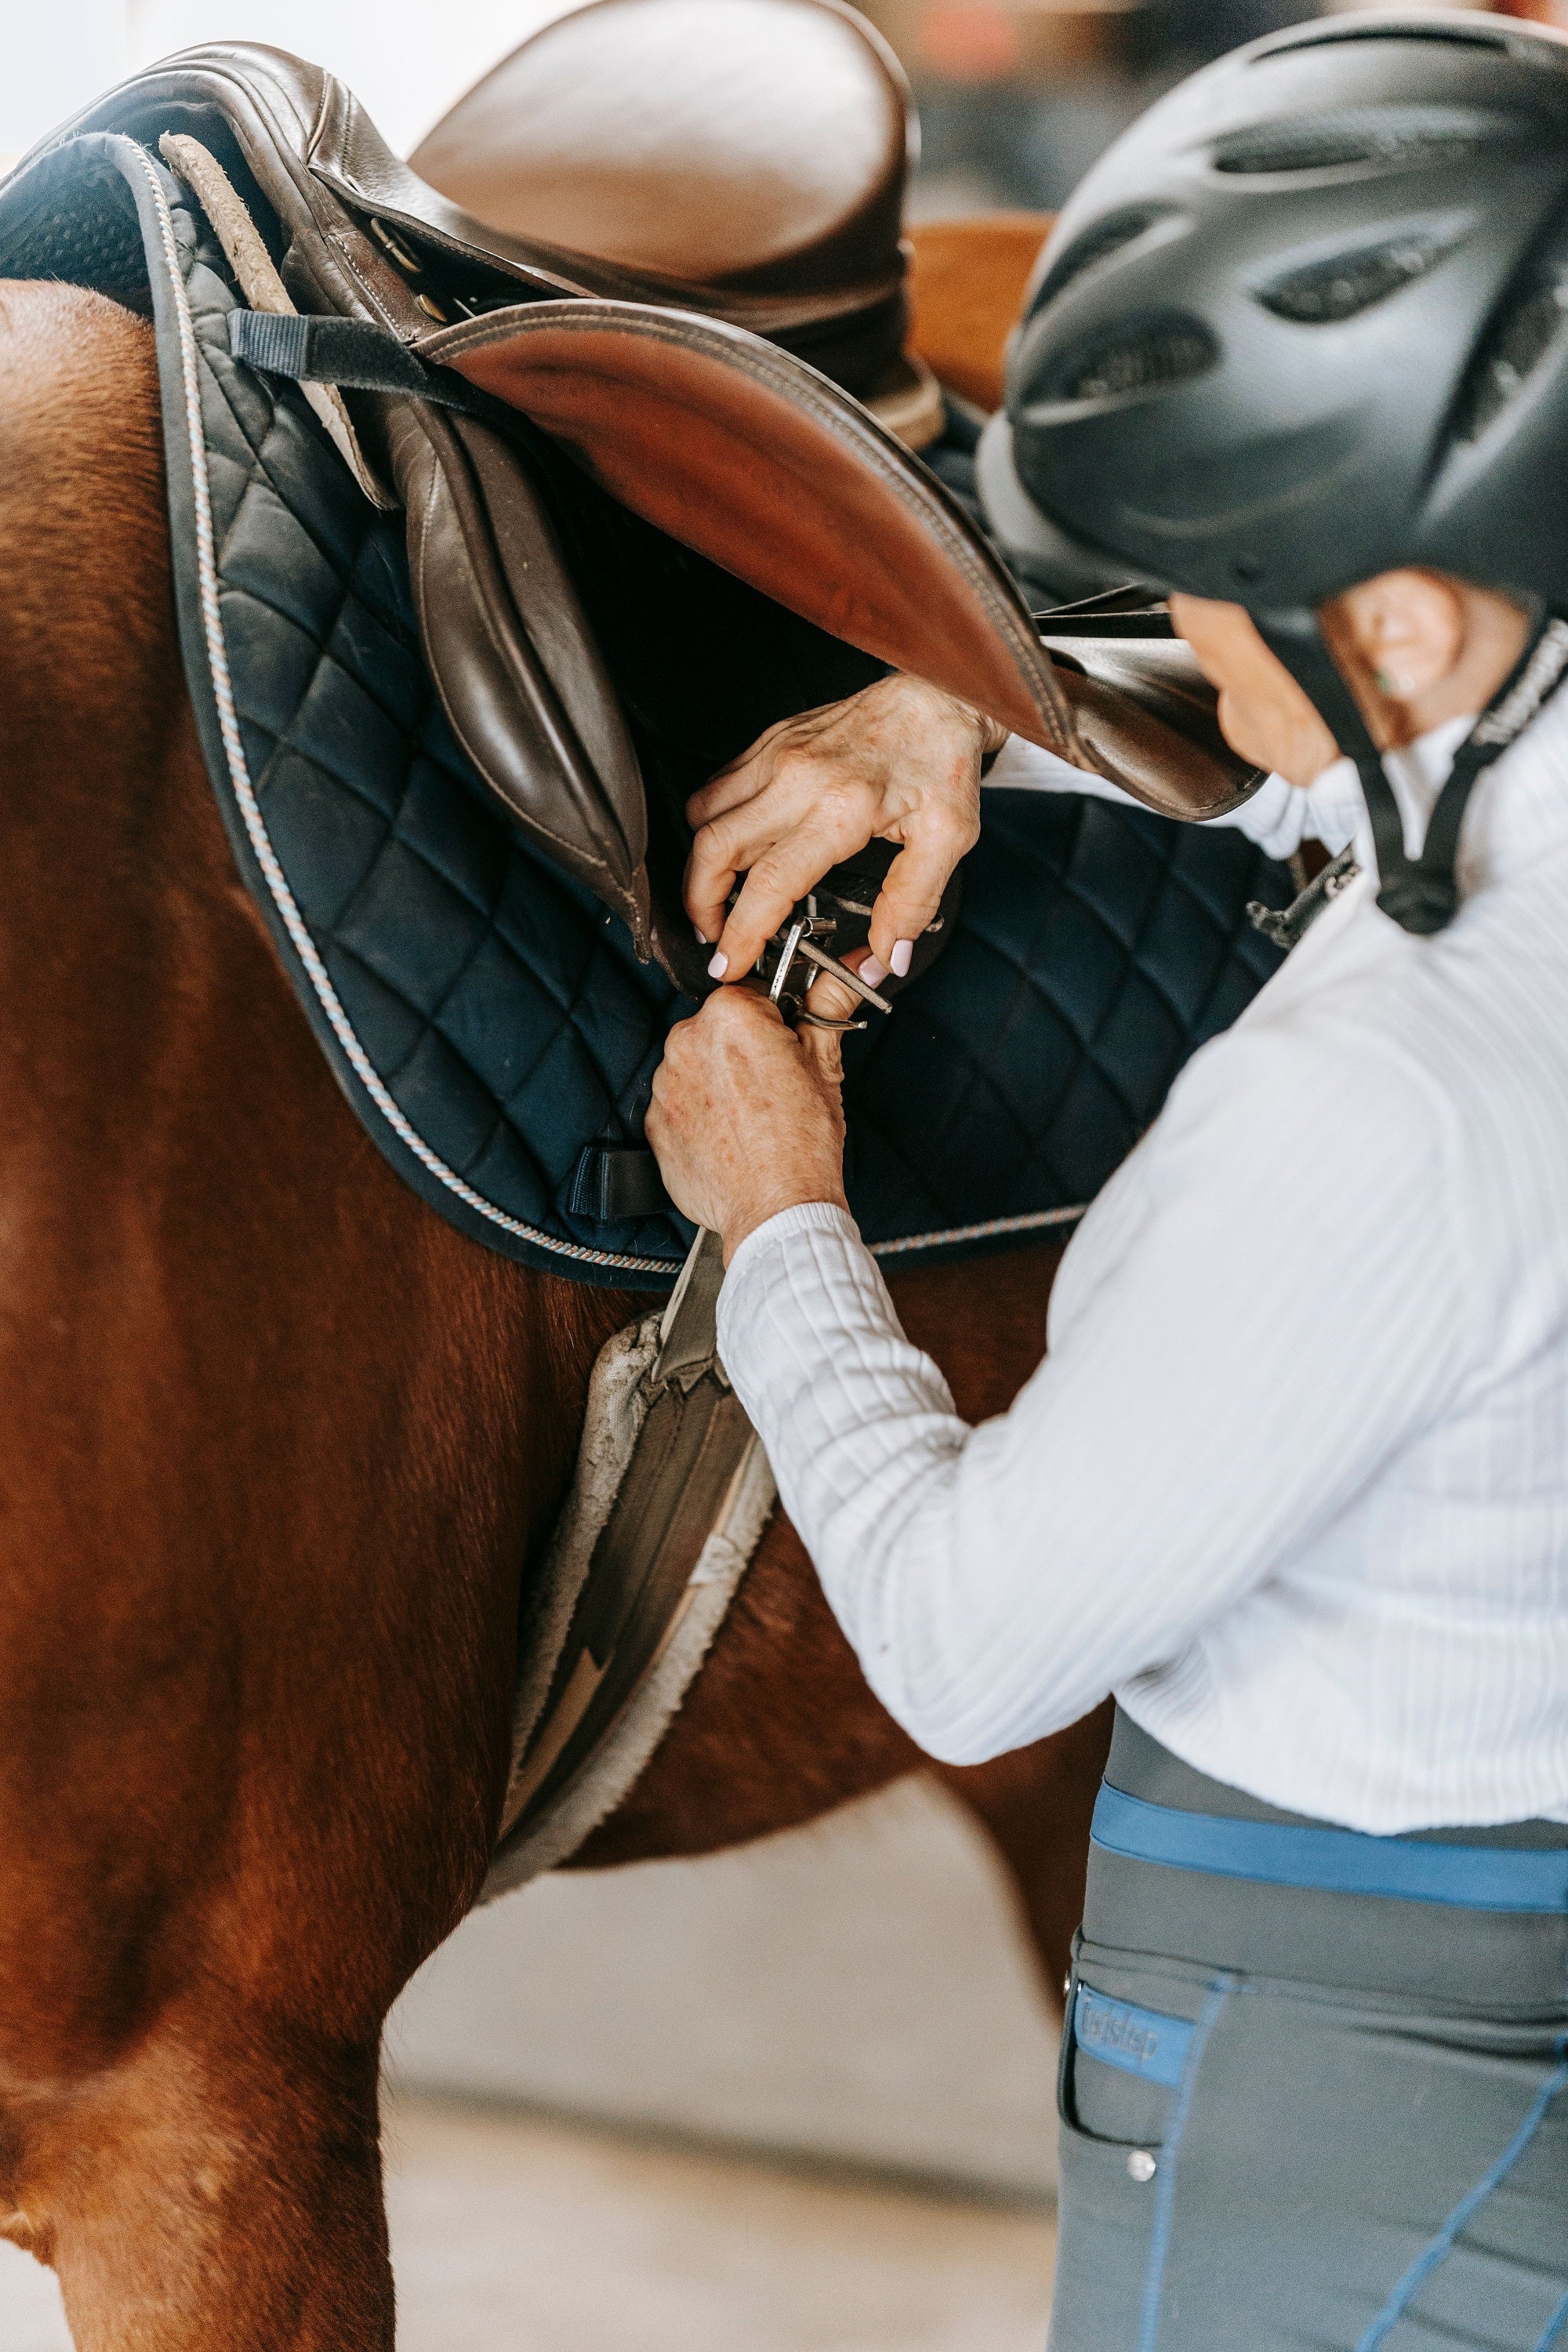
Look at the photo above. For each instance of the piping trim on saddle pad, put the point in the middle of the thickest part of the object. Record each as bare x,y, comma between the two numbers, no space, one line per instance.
250,809
994,1229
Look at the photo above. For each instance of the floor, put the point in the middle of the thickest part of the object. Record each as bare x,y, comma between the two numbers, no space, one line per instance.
857,1990
514,2233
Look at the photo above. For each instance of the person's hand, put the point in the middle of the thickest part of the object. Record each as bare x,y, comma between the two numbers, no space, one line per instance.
745,1118
899,762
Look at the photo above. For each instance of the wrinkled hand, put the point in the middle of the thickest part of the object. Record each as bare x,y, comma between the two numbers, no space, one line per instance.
899,762
746,1118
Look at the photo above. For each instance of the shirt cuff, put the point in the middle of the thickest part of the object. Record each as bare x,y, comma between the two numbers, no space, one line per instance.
806,1217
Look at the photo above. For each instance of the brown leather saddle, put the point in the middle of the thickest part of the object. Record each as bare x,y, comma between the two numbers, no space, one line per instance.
751,154
363,280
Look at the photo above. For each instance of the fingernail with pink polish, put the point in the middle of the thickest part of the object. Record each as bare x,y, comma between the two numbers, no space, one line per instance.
718,965
902,952
873,972
701,935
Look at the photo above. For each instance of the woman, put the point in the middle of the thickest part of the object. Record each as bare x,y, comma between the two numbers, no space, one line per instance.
1293,1481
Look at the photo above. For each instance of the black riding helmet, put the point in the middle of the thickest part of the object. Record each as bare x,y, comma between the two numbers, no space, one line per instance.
1305,321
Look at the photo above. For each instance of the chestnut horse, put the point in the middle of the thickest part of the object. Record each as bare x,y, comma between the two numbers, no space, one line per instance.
278,1444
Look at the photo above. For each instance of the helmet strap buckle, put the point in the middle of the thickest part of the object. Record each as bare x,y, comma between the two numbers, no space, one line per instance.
1420,894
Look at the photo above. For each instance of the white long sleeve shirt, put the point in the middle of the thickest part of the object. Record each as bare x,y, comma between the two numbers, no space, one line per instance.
1279,816
1293,1480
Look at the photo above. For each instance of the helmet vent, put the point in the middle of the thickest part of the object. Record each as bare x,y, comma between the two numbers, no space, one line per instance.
1324,292
1387,138
1096,243
1515,347
1144,356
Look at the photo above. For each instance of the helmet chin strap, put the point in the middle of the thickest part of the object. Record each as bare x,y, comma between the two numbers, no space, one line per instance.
1421,894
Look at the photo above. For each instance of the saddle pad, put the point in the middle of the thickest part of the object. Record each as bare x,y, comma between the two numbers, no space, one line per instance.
486,1016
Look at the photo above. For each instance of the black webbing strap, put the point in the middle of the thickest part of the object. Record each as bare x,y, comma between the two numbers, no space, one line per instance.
1420,894
354,354
614,1180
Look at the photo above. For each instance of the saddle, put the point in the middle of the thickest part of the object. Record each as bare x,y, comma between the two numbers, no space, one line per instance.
751,154
526,409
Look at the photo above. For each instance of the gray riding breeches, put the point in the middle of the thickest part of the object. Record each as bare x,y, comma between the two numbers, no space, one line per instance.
1314,2085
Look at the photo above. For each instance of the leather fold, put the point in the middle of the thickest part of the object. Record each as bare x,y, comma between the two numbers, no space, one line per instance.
514,661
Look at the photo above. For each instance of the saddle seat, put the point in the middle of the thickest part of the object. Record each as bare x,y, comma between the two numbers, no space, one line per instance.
731,146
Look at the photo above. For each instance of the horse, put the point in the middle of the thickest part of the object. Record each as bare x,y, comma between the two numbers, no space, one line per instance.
280,1447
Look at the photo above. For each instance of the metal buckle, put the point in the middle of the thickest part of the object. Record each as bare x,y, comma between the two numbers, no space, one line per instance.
800,941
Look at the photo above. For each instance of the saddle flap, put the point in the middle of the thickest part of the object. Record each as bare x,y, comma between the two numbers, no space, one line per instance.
514,657
753,459
1146,716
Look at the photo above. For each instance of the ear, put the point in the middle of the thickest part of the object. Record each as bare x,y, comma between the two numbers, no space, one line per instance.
1404,631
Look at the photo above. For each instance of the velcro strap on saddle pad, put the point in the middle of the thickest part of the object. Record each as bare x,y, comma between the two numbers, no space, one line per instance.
354,354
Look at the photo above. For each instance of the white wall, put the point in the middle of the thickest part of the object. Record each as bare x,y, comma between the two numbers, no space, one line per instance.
56,56
407,59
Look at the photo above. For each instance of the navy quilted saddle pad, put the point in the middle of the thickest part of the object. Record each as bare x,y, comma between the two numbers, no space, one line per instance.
489,1021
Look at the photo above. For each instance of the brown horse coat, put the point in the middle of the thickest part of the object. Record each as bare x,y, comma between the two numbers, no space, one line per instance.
276,1441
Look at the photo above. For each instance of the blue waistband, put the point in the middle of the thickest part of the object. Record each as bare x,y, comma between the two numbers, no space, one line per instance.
1337,1862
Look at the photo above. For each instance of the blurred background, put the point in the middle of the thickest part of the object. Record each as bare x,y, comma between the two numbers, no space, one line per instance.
1016,97
797,2098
